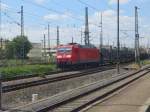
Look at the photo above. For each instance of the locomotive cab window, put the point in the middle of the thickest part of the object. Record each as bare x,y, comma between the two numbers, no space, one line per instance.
64,50
68,49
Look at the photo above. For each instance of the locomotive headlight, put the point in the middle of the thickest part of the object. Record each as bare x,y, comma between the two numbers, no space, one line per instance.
59,56
68,56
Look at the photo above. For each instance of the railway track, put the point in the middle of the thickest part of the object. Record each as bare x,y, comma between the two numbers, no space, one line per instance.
14,87
80,98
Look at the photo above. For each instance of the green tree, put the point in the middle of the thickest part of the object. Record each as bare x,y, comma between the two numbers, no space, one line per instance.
19,47
2,53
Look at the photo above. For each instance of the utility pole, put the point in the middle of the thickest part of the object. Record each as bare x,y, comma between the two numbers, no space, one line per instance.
44,47
58,36
0,19
22,33
42,44
49,37
81,36
137,52
87,40
72,40
101,32
0,72
22,21
1,42
118,34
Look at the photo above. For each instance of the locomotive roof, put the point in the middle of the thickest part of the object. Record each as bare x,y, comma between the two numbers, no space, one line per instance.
79,45
85,46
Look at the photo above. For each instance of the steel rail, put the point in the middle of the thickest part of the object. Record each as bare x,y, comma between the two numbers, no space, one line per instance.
107,94
115,80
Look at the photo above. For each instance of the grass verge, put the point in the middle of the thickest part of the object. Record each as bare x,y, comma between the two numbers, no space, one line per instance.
8,72
145,62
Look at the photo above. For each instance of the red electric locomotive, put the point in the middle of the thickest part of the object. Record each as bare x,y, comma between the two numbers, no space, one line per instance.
76,55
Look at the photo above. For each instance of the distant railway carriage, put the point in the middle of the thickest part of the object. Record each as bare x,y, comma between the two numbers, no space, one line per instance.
110,54
75,54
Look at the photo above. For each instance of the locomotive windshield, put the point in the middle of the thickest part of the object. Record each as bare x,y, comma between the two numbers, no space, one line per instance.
64,50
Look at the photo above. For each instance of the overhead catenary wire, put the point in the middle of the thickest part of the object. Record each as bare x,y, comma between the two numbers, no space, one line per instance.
59,12
56,11
50,9
91,6
86,4
12,19
60,4
41,6
15,11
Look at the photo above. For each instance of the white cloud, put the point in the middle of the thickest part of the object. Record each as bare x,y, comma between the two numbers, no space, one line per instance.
121,1
4,6
39,1
57,17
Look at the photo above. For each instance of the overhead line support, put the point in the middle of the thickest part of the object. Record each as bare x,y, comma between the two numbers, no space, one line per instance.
118,35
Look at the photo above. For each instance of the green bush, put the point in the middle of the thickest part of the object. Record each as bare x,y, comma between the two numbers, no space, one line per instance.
9,72
145,62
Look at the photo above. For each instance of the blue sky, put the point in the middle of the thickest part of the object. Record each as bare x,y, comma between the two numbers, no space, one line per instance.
69,15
